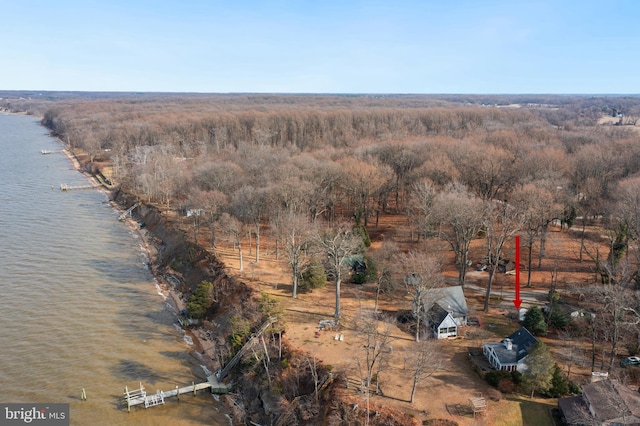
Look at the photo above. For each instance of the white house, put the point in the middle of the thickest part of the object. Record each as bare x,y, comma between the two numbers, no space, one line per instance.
510,354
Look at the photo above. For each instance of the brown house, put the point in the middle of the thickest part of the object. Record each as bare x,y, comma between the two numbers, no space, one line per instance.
605,403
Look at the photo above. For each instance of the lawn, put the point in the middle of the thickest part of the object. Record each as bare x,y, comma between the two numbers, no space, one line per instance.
522,411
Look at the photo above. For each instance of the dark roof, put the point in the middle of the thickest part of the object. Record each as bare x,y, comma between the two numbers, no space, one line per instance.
524,340
521,340
574,410
436,315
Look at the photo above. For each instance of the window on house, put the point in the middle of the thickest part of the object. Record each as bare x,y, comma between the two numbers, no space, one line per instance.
452,330
443,330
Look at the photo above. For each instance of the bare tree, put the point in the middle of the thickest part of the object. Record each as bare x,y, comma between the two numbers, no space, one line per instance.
363,180
370,360
616,313
250,205
386,268
572,352
233,230
325,178
422,279
426,360
421,203
461,216
402,161
338,243
489,171
208,204
298,238
501,224
539,209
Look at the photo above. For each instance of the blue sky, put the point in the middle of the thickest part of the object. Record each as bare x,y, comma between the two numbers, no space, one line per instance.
322,46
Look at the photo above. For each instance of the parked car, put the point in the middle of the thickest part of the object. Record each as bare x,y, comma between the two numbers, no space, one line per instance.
632,360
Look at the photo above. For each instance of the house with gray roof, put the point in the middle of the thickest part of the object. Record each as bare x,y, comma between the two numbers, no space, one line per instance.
448,312
510,353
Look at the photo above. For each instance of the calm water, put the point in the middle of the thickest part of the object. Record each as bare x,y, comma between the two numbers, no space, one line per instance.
78,308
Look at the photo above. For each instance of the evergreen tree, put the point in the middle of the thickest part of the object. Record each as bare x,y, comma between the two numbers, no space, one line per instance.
313,276
534,322
559,385
539,373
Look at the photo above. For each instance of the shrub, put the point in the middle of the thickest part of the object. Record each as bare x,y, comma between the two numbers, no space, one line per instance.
574,388
370,273
553,296
240,330
494,394
516,376
633,348
200,301
493,377
506,385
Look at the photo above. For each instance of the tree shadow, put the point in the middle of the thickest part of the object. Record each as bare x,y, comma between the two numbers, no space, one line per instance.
135,371
533,412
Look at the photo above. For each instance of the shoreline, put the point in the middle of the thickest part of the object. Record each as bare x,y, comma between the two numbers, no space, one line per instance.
164,289
169,294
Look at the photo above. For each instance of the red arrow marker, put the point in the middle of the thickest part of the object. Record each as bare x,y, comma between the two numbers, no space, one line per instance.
517,301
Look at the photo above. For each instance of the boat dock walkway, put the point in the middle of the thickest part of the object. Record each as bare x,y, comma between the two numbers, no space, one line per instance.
139,396
127,212
64,187
214,382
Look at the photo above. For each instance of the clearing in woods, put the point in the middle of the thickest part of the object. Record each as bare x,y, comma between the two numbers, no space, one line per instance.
447,394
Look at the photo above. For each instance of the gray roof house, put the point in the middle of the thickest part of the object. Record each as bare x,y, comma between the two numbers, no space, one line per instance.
448,312
605,402
509,354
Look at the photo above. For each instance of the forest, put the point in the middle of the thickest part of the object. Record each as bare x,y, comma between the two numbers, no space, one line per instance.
315,174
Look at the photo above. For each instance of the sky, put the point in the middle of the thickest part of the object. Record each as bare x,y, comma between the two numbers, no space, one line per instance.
322,46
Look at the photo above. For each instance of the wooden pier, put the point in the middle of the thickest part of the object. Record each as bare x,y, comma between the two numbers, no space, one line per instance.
214,382
139,396
64,187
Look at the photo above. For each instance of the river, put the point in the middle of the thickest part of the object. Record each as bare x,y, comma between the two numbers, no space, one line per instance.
79,308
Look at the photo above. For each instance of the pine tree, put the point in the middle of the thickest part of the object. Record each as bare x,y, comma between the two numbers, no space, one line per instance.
559,385
534,322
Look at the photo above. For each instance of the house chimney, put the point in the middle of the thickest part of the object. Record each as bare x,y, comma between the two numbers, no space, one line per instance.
508,344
